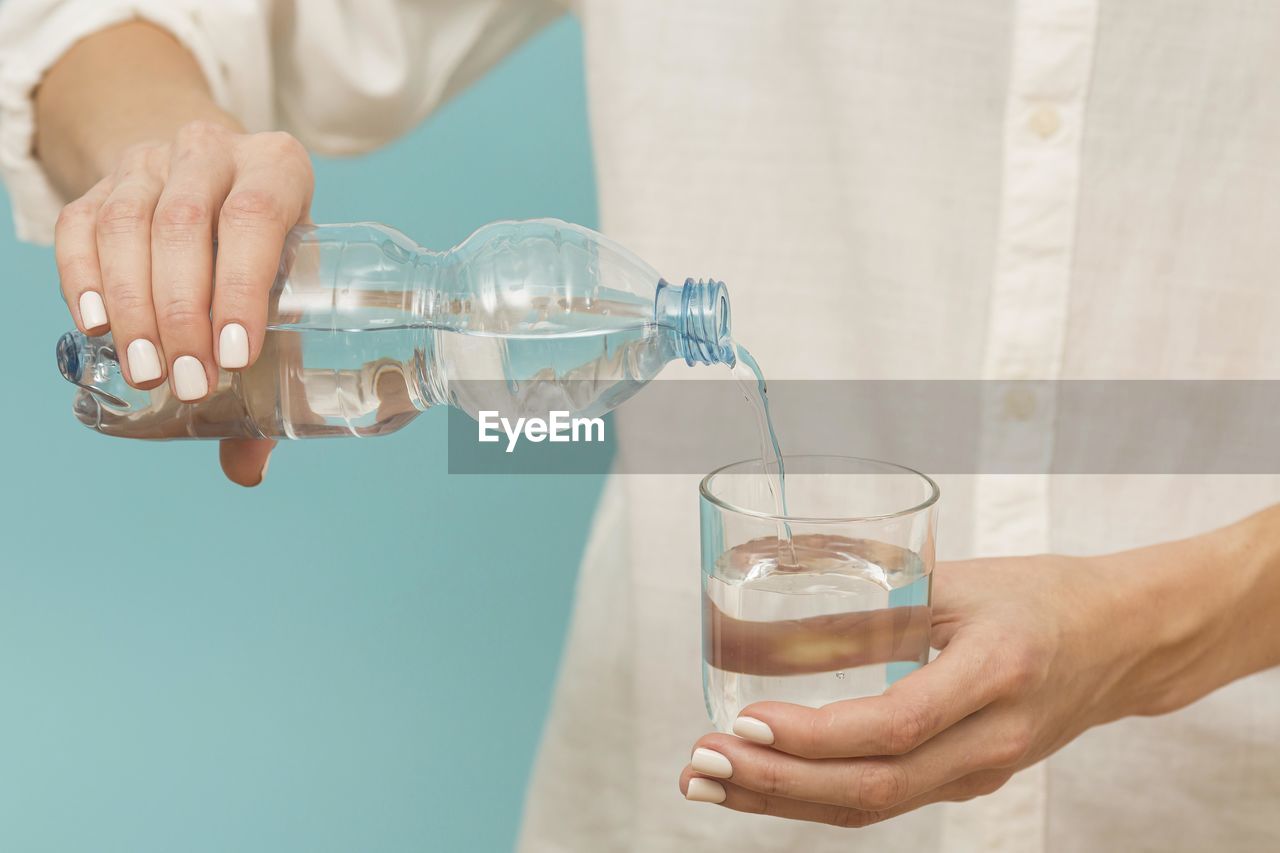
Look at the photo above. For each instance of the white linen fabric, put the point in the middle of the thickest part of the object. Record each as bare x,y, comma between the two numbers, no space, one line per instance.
1002,189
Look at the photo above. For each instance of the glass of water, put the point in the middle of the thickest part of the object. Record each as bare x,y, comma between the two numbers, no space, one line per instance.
825,600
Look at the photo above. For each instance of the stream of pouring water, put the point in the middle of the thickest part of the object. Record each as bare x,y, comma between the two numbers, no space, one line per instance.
751,380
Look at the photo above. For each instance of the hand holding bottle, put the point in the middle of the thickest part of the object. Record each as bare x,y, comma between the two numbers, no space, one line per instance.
299,332
160,173
135,253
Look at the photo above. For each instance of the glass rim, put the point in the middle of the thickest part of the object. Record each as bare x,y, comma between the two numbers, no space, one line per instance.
930,500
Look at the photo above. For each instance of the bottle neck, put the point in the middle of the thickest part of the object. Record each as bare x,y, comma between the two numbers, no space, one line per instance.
698,313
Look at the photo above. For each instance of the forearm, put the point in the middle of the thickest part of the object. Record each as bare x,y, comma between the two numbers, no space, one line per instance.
1202,612
125,85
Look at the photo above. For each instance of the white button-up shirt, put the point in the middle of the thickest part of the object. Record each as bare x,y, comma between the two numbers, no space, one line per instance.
998,189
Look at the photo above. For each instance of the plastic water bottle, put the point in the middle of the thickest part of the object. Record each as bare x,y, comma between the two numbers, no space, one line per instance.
366,330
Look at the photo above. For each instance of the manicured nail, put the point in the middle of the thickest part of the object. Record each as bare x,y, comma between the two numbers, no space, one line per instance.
262,475
92,312
144,361
233,346
757,731
189,379
712,763
704,791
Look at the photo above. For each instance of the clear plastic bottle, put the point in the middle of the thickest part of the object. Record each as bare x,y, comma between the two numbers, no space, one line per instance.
366,330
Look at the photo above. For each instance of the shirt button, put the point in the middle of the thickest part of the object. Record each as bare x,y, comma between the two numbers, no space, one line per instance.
1019,404
1045,121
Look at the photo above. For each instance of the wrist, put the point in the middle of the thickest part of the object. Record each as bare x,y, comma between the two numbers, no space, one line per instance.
1249,566
127,85
1196,613
102,151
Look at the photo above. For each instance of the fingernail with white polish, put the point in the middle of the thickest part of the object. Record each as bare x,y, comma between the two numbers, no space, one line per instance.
233,346
92,312
711,763
189,379
756,731
144,361
705,791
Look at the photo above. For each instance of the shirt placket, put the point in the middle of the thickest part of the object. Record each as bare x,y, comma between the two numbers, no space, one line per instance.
1051,62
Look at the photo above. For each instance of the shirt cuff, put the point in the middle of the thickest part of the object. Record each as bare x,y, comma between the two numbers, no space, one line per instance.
35,202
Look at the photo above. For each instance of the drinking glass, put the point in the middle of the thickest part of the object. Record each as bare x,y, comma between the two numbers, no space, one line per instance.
825,600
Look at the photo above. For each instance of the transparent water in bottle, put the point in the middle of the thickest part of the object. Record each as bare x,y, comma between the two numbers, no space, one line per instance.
366,330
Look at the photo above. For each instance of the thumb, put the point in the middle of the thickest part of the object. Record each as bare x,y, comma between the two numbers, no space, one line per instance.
244,460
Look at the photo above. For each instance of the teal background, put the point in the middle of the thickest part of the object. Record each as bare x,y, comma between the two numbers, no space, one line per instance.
356,656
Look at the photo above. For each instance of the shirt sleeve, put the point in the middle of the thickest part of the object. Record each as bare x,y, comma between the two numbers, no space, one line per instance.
343,77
